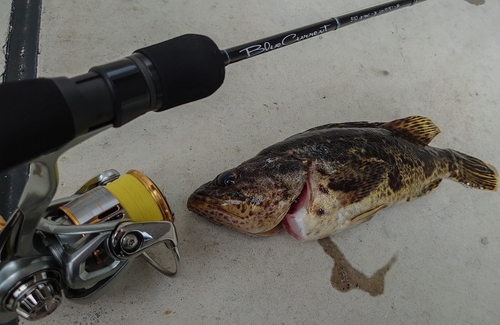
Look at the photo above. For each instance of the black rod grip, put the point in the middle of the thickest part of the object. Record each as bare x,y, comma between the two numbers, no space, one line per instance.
39,116
34,119
189,67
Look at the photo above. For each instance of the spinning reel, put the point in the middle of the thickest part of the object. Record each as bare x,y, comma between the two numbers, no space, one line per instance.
80,244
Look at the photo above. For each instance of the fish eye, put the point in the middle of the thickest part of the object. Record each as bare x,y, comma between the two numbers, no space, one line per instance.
227,178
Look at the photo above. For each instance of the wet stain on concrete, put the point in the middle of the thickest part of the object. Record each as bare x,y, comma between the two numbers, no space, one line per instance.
345,277
476,2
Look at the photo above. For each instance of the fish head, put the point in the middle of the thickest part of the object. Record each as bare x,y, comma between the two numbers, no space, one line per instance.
252,198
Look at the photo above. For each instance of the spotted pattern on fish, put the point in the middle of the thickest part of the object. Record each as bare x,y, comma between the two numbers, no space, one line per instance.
335,176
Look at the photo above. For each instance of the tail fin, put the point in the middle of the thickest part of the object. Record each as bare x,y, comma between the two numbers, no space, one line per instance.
473,172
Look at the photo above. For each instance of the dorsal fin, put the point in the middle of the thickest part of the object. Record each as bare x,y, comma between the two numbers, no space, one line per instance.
416,129
362,124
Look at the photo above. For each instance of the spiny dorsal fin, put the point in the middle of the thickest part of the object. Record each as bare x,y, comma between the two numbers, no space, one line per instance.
362,124
416,129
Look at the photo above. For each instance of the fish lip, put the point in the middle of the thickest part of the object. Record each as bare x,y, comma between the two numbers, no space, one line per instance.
206,200
213,204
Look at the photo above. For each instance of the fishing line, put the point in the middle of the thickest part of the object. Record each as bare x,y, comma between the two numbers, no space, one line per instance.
140,197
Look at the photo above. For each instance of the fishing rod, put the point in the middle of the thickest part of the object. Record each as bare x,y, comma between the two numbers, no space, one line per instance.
80,244
252,49
155,78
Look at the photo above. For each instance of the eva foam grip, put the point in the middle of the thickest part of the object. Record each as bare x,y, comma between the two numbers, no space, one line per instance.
190,67
34,120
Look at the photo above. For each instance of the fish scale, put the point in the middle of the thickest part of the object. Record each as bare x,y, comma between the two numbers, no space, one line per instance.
332,177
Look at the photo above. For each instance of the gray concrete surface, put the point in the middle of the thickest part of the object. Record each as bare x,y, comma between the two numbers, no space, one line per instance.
4,29
440,59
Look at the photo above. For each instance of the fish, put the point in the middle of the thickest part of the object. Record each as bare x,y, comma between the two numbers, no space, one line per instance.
332,177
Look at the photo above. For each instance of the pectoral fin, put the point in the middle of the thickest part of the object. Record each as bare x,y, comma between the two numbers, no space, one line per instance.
270,232
357,179
365,216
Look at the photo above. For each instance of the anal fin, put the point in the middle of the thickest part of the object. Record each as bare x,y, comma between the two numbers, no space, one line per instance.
426,189
431,187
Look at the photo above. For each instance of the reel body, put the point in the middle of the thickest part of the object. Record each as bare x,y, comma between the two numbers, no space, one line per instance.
82,244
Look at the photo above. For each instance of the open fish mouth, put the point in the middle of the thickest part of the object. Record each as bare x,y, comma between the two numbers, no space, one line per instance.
293,220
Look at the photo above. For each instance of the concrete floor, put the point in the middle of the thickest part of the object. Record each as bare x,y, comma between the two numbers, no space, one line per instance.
440,59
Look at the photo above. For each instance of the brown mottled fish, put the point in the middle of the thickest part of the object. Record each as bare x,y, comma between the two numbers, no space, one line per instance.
335,176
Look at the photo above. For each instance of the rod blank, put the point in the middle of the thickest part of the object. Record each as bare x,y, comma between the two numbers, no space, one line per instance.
249,50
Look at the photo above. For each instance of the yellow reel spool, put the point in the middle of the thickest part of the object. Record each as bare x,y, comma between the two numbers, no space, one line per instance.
140,197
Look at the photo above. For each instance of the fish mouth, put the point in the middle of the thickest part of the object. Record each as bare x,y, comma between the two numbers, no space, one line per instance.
291,222
211,209
202,205
291,219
